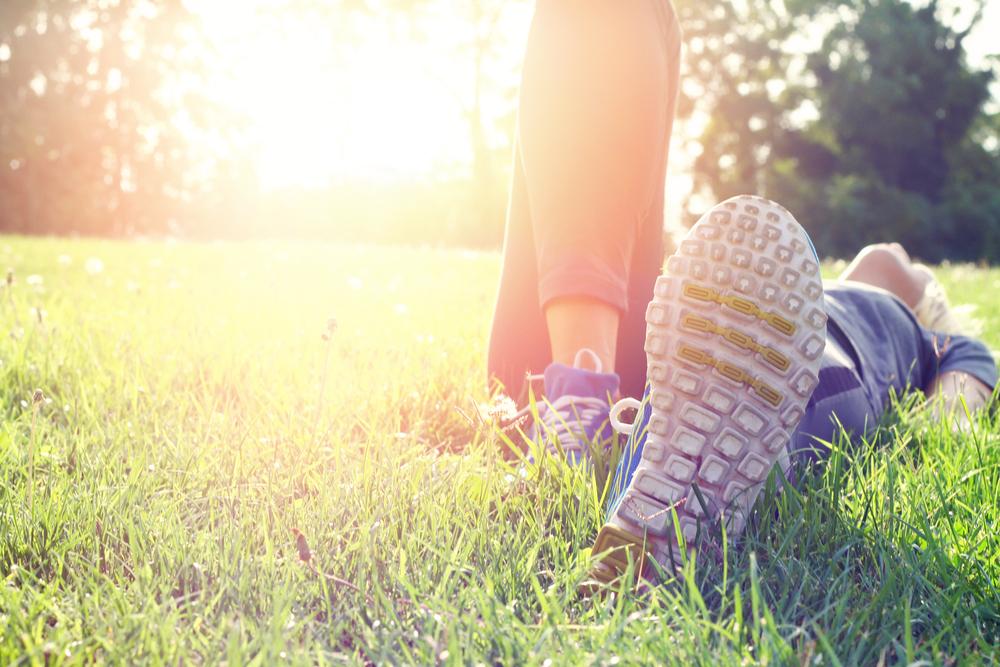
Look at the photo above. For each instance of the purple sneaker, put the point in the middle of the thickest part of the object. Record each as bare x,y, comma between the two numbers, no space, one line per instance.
573,414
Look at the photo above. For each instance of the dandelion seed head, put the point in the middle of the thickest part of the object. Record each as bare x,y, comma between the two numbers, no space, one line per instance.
503,408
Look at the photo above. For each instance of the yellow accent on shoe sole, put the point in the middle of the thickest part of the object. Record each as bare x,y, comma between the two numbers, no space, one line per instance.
620,545
737,338
733,372
740,305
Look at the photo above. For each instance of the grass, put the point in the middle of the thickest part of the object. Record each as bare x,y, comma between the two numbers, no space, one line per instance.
193,416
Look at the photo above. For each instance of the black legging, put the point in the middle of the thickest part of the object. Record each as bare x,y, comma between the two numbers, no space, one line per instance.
585,216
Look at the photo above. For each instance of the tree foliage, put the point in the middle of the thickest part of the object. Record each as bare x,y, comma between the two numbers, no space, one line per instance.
103,123
877,133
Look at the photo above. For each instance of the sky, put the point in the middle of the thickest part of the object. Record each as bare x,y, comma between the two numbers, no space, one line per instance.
395,107
392,107
985,39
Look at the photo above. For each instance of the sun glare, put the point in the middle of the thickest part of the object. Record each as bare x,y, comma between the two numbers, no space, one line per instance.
322,106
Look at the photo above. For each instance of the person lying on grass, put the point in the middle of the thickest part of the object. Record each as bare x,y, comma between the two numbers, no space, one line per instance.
753,361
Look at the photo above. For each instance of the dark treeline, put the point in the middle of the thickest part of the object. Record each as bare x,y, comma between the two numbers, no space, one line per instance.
878,130
879,133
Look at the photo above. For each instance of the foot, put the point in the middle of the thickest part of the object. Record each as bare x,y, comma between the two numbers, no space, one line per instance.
573,414
736,332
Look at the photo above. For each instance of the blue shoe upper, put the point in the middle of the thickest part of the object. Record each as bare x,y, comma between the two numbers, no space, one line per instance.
562,380
631,454
575,409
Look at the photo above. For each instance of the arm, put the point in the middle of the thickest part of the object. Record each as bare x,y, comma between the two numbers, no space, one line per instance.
947,391
963,370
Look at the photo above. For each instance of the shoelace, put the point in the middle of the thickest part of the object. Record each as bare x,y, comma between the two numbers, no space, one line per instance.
565,418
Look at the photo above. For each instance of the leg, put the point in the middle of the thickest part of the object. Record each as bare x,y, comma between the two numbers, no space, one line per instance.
647,256
953,392
647,264
595,116
887,265
519,339
578,322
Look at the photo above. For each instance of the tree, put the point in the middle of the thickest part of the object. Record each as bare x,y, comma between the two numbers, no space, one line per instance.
878,134
735,93
101,112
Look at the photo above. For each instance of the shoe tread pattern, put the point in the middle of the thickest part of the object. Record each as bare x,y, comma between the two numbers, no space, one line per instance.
736,321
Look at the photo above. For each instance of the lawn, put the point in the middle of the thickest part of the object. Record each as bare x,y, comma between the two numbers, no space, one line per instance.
197,436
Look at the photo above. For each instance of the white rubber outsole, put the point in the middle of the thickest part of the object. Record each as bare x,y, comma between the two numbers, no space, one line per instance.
735,336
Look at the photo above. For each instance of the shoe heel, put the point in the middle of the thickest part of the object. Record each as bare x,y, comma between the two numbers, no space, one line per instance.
617,548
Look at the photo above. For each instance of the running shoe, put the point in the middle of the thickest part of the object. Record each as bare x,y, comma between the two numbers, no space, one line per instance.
572,416
734,339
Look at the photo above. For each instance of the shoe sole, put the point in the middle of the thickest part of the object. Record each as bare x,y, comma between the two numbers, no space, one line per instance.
735,335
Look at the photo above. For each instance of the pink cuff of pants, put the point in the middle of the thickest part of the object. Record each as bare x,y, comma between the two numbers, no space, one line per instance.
580,282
